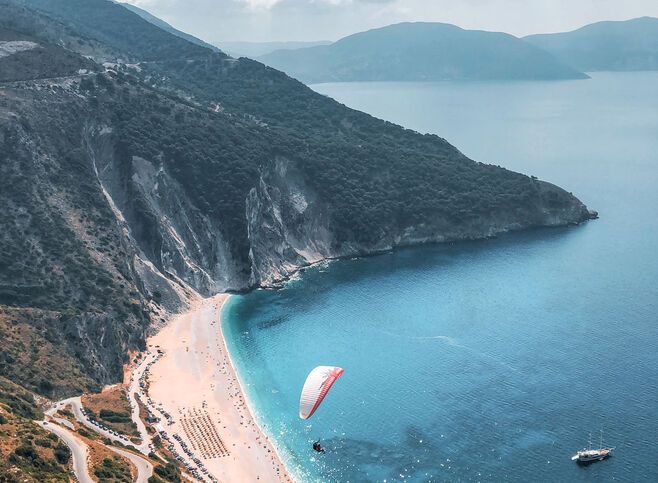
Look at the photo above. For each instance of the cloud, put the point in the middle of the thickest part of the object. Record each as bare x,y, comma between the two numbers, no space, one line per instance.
267,20
261,4
269,4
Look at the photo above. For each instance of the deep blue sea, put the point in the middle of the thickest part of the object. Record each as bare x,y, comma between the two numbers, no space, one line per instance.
492,360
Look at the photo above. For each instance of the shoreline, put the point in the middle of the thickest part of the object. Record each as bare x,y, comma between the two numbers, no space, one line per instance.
248,402
196,383
298,271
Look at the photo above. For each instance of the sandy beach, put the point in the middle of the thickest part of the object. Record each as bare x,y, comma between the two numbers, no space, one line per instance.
195,382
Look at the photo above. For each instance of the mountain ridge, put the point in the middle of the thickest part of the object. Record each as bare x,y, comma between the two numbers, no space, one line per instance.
256,49
421,51
625,45
149,17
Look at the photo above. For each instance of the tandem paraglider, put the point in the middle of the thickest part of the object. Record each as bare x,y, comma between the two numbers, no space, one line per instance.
317,386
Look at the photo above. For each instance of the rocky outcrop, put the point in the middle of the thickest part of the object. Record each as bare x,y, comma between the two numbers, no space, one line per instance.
175,240
289,227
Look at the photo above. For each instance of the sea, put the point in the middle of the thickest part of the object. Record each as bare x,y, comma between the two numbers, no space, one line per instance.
491,360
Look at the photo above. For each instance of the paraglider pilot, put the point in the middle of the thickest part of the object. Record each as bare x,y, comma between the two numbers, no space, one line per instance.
316,387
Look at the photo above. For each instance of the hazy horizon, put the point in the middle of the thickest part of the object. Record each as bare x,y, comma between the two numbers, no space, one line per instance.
313,20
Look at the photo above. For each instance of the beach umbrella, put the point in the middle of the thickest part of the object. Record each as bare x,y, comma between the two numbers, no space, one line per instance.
316,387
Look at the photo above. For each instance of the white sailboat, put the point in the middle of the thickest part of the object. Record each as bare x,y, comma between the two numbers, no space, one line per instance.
589,454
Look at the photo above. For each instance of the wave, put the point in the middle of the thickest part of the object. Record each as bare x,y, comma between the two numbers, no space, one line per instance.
451,341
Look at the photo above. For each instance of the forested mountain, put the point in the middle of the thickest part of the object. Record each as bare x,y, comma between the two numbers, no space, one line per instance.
155,167
613,46
421,52
21,57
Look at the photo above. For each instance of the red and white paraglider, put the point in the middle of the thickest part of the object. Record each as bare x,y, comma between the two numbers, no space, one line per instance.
316,387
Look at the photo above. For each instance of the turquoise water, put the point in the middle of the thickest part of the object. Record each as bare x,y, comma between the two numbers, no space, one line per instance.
483,361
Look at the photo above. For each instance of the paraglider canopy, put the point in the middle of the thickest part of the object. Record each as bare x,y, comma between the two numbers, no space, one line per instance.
316,387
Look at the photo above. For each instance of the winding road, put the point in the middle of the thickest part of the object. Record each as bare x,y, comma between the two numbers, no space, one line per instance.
76,406
144,467
133,390
78,448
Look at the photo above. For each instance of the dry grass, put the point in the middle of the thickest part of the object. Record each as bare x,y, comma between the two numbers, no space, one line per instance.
98,453
27,451
66,413
32,355
98,450
113,401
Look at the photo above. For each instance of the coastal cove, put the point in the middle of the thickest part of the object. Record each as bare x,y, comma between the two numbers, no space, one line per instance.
488,360
419,252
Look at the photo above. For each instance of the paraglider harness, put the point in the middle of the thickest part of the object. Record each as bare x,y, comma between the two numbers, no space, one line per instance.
317,448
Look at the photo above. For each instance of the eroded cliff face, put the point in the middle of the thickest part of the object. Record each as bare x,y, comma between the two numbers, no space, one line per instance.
289,226
174,240
178,247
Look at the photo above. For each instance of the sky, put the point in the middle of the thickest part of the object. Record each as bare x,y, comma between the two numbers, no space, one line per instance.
282,20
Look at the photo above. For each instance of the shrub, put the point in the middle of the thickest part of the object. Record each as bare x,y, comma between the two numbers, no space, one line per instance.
168,472
115,416
27,451
113,469
44,443
62,454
